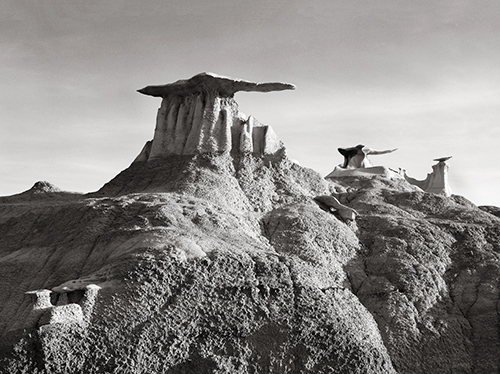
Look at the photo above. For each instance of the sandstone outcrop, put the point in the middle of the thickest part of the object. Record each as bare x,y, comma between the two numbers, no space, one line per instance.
223,262
437,181
200,115
357,157
357,163
426,275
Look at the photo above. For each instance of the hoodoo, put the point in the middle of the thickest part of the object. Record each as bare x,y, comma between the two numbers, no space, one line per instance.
200,115
437,181
356,163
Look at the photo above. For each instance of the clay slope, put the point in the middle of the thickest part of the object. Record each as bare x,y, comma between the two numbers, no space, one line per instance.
216,264
191,281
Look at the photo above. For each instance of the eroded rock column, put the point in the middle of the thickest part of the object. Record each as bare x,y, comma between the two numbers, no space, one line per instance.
200,115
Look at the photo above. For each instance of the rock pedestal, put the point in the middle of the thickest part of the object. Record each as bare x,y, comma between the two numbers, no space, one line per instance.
437,181
40,300
200,115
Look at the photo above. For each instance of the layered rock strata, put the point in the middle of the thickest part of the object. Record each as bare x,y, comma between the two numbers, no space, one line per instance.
200,115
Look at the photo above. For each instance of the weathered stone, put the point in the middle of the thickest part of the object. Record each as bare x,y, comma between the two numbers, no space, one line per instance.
44,187
40,298
494,210
357,157
357,164
69,313
200,115
370,172
40,301
41,190
437,181
210,82
330,203
89,301
217,263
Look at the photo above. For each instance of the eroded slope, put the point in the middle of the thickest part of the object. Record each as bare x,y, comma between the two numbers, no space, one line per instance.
191,281
429,274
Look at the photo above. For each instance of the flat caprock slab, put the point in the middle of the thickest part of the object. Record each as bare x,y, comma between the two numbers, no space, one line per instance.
210,82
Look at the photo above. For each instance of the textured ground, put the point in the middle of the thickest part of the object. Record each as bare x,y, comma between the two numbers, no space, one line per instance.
216,265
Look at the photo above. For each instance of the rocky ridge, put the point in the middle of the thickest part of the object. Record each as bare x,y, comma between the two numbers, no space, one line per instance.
223,262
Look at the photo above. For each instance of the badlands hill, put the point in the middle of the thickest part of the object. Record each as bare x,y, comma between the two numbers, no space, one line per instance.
210,254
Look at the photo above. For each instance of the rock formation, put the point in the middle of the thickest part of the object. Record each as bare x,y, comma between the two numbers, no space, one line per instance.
200,115
494,210
331,204
78,311
356,163
223,262
437,181
357,157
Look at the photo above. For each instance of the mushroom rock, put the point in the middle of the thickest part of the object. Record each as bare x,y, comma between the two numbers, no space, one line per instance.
357,164
145,152
357,157
200,115
437,181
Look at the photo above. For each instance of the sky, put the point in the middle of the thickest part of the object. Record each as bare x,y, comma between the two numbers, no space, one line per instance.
421,76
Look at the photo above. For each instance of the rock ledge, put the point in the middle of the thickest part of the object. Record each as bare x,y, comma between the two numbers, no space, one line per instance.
211,82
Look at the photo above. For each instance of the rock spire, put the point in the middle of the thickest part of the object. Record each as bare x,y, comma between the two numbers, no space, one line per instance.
437,181
200,115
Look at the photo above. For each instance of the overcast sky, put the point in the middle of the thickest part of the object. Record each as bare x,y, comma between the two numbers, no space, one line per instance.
422,76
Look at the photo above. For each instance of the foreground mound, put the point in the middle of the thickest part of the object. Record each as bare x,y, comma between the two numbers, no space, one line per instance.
189,284
211,276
